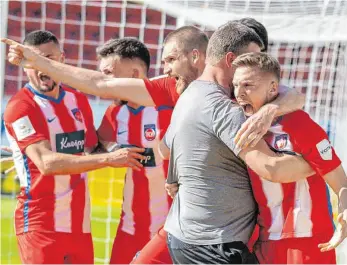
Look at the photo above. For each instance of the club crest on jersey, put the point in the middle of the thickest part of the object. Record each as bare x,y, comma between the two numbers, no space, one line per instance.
77,114
281,141
150,132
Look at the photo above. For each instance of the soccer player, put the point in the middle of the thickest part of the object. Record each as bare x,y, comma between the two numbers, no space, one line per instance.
294,218
213,213
184,60
50,128
145,202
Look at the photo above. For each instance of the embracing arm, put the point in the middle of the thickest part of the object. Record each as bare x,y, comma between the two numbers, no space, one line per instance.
226,121
275,167
288,100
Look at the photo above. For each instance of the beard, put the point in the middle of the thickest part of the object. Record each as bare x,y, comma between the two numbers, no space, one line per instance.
182,82
46,88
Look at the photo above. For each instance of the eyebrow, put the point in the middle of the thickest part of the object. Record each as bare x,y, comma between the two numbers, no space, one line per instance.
246,81
168,56
49,55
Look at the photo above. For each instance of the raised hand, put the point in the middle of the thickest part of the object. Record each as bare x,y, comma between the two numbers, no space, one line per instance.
20,54
255,127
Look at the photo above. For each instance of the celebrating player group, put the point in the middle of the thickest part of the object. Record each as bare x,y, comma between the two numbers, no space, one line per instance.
223,165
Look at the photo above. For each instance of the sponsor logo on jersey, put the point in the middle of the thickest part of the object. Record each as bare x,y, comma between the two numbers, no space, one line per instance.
149,160
23,128
325,149
77,114
70,143
150,132
281,141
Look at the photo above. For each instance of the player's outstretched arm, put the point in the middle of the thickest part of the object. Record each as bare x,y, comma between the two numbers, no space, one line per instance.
337,180
87,81
258,124
51,163
275,167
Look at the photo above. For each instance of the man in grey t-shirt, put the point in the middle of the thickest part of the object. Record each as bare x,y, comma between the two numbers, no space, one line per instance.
213,214
204,158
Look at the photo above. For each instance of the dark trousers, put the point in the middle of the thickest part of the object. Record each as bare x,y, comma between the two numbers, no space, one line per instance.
225,253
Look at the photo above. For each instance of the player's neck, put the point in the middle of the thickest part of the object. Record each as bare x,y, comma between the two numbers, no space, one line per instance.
53,94
133,105
216,74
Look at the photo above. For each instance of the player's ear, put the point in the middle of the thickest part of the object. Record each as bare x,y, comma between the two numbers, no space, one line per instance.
229,58
273,89
195,56
136,73
62,57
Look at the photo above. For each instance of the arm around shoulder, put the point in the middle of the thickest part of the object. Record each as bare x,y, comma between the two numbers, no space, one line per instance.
275,167
288,101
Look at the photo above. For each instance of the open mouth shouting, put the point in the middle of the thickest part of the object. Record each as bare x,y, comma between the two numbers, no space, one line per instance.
247,108
46,82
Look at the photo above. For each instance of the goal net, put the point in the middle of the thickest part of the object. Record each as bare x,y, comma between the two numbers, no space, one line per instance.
307,37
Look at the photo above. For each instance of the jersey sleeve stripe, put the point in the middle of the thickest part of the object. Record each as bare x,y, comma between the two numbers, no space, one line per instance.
27,193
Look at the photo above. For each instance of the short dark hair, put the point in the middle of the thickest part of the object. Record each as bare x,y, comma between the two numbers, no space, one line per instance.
38,37
188,38
126,48
230,37
263,61
259,28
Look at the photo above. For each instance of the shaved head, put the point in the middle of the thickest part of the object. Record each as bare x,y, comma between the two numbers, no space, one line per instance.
188,38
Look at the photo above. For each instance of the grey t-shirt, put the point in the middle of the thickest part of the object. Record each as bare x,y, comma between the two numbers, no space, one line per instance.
214,203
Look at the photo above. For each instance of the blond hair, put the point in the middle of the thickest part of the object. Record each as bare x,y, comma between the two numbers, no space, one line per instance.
263,61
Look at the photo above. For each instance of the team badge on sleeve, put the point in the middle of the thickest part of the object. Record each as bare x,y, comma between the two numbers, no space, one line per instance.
325,150
149,131
23,128
281,141
77,114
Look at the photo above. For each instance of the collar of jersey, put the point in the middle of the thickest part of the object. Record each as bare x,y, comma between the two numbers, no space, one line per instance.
56,100
135,111
277,120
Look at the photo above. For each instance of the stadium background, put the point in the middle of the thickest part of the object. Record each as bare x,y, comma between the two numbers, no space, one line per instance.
315,66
